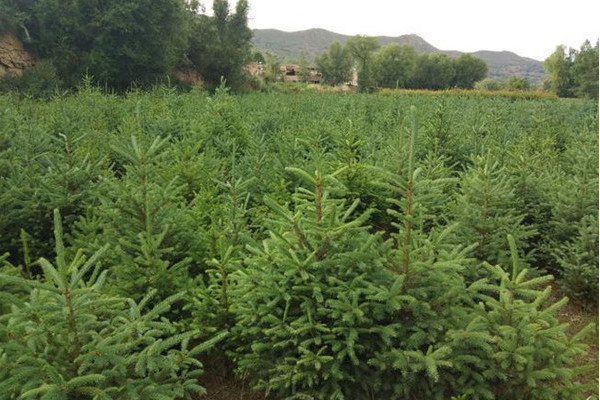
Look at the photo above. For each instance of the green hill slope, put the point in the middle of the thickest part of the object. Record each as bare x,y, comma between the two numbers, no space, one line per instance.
289,45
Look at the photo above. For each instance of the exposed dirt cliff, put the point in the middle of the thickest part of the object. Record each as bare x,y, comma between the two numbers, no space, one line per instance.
14,59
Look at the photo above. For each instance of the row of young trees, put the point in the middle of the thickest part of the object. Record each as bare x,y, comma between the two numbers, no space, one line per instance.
333,247
397,66
574,73
132,42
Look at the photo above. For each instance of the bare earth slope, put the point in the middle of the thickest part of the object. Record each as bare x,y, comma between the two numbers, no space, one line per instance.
13,57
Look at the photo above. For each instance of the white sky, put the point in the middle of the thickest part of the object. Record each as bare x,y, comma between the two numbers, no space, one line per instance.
530,28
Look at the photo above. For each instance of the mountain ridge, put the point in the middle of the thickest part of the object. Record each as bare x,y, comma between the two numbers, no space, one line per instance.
290,45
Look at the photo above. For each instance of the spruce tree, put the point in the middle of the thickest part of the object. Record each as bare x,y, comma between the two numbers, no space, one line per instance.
416,361
326,310
306,316
514,347
68,340
42,172
578,259
228,233
143,217
485,211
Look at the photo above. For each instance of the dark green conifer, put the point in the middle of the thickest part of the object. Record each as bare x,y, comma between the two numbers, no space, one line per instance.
514,347
306,316
144,219
485,211
68,340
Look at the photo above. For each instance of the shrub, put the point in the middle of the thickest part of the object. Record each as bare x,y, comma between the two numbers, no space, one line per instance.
39,82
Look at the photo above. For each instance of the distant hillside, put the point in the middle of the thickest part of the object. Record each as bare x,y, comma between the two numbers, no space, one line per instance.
505,63
289,45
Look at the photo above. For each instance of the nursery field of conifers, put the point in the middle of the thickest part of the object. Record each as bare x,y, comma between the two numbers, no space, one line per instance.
329,246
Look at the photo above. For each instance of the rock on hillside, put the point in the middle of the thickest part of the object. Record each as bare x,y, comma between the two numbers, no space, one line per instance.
14,59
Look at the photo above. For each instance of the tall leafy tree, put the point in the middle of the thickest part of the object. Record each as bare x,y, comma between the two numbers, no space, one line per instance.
362,48
557,68
220,45
468,70
434,71
573,73
335,64
10,17
396,65
585,71
118,42
139,40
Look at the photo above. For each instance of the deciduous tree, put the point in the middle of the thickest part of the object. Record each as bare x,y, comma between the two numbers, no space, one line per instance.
395,65
335,64
434,71
118,42
557,66
585,71
220,45
362,48
468,70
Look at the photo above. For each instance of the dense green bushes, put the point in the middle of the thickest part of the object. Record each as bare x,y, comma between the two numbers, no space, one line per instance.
343,241
127,44
68,340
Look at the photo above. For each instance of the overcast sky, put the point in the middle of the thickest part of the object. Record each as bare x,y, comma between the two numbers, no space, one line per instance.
530,28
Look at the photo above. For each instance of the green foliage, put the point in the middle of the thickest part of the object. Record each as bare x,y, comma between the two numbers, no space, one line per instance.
515,344
229,232
302,305
486,214
44,169
585,71
368,282
434,72
571,234
361,48
220,45
416,363
139,216
257,56
575,73
396,65
488,84
469,70
68,340
515,83
107,39
578,259
272,69
40,81
10,16
335,65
